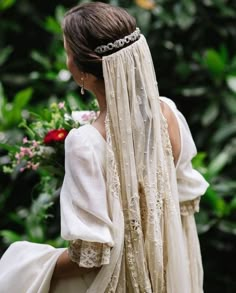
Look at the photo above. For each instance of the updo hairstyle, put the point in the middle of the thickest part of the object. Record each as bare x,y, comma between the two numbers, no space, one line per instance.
90,25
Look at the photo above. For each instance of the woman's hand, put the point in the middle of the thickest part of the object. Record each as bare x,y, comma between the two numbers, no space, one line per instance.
66,268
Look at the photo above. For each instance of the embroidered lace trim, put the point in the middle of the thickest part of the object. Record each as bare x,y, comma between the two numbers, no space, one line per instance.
189,207
89,254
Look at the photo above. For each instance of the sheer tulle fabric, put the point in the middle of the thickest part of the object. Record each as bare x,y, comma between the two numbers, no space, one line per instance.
141,181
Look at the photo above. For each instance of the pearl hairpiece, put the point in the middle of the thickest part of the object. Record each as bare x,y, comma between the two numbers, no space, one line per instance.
119,43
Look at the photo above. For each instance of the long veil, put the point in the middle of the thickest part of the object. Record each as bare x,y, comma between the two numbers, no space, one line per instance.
149,255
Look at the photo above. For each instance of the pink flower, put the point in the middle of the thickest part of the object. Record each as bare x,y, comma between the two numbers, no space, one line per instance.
85,117
25,152
61,105
29,164
35,166
25,140
35,144
22,169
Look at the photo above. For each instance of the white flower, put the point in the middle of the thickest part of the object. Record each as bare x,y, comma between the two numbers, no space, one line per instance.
64,75
67,117
45,151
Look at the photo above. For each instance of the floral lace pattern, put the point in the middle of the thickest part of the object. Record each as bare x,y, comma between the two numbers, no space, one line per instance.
189,207
113,186
89,254
149,255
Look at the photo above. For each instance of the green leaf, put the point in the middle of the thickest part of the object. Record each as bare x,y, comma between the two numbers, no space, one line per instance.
224,132
36,232
198,160
227,227
217,203
52,25
204,224
30,132
9,148
22,98
2,102
60,13
210,114
233,204
218,164
75,102
233,63
183,18
194,92
199,164
231,82
5,4
7,169
230,103
215,63
5,53
144,19
10,236
225,187
224,54
190,6
51,75
38,57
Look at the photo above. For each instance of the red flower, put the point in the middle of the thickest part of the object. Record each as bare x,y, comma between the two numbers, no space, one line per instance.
55,135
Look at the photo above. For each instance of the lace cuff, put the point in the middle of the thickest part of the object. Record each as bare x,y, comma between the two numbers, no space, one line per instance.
189,207
89,254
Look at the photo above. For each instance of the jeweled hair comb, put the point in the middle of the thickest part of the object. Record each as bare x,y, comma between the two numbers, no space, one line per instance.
119,43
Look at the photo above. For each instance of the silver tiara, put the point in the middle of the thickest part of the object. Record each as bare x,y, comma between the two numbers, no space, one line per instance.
119,43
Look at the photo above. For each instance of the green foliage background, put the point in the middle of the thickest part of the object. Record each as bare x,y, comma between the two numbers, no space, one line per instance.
193,47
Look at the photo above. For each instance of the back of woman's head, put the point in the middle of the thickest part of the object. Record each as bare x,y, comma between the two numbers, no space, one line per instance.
90,25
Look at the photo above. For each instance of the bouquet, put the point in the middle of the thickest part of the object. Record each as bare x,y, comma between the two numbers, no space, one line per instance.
42,150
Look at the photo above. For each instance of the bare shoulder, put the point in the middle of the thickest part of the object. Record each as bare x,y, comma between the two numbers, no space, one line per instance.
173,129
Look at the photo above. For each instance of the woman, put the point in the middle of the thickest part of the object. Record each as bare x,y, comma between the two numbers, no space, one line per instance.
129,192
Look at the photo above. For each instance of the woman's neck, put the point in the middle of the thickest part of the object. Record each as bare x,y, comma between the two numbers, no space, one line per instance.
99,92
99,123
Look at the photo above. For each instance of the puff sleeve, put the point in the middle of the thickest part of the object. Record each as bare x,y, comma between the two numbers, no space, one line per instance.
191,184
85,220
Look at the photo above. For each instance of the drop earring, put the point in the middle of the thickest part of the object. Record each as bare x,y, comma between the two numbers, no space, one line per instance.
82,86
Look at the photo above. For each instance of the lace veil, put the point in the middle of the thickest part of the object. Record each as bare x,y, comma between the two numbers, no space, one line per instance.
149,254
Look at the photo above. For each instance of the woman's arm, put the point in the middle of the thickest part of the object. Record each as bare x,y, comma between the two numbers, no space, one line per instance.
65,268
173,129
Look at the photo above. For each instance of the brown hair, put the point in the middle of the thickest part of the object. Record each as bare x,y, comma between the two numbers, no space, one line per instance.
90,25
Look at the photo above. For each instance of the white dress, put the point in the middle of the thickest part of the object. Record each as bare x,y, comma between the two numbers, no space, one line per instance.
86,220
